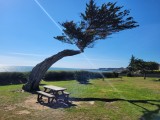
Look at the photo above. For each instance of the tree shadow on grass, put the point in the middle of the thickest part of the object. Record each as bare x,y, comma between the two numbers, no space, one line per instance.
85,82
57,105
42,84
147,114
157,80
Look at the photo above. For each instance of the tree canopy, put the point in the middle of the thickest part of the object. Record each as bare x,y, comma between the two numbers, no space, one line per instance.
141,65
97,22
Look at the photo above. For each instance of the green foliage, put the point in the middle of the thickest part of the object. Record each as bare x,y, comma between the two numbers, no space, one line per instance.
130,99
110,75
132,65
141,65
13,78
153,71
76,75
137,67
82,77
59,75
124,71
97,22
129,74
7,78
151,65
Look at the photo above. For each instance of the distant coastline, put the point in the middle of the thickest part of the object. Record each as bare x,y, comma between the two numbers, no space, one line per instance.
29,68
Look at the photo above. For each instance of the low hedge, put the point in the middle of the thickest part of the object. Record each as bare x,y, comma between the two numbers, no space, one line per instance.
13,78
81,76
59,75
76,75
149,73
153,72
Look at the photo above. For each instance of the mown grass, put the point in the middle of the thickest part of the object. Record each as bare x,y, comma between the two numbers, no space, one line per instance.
112,99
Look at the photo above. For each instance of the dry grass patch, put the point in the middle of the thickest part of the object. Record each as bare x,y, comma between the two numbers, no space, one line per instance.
23,112
31,103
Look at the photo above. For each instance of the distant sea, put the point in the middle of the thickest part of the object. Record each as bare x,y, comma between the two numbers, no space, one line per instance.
29,68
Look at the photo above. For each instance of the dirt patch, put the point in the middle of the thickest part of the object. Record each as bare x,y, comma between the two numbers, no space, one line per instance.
40,111
18,90
8,108
91,102
22,112
82,103
31,103
78,103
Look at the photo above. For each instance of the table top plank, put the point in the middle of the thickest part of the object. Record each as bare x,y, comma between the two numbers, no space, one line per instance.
55,88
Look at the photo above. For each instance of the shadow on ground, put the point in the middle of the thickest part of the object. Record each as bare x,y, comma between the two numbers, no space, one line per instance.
147,114
56,105
157,80
85,82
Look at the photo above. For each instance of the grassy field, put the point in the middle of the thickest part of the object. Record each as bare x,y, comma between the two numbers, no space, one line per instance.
111,99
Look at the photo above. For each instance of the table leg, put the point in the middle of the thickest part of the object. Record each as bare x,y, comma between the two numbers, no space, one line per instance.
45,89
39,97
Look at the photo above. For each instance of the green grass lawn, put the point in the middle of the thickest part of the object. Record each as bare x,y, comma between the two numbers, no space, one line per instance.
111,99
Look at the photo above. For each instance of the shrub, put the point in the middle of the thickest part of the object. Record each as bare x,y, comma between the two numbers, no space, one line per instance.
129,74
82,76
124,72
116,75
79,75
59,75
13,78
153,72
110,75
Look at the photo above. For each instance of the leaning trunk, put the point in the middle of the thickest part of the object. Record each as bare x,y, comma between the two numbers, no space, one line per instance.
40,69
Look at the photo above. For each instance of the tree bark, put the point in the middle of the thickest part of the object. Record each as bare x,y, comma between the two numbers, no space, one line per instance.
40,69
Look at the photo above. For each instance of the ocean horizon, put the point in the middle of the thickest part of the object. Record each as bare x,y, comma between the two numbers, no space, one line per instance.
29,68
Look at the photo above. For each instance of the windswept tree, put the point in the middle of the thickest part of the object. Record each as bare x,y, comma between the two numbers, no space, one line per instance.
132,66
96,23
140,66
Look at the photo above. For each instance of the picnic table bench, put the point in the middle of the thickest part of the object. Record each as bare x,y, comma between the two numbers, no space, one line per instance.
41,94
53,92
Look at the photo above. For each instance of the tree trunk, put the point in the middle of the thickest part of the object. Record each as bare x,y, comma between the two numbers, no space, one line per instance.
40,69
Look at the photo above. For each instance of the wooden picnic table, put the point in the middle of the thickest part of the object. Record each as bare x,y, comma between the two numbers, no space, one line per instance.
54,88
58,92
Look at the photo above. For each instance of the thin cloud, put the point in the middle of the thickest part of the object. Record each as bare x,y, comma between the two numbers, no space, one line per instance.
97,59
104,60
39,55
28,54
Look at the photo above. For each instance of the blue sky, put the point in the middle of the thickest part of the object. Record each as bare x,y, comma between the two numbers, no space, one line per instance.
26,34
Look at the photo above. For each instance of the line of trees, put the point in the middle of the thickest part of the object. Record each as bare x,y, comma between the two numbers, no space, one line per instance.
137,65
